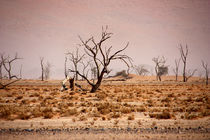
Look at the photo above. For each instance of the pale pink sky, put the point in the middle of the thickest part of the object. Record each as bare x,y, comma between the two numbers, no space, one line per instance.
49,28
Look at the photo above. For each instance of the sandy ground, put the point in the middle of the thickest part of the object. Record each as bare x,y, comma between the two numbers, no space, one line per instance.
141,127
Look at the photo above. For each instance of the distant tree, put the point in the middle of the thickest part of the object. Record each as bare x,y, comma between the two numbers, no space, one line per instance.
65,69
7,62
184,54
160,68
141,70
47,71
121,73
1,65
85,65
3,85
101,57
42,67
21,67
205,66
190,74
75,58
176,69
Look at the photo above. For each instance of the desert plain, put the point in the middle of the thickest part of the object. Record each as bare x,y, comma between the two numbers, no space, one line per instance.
135,108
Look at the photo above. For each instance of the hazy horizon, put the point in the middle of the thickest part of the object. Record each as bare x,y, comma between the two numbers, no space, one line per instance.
50,28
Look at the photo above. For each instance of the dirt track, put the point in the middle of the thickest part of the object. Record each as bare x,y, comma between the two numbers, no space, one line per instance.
106,134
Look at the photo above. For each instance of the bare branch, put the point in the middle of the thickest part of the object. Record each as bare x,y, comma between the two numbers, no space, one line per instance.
3,86
101,57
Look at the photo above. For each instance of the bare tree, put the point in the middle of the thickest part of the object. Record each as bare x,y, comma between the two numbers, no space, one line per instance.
101,57
21,67
184,54
3,86
176,69
160,68
141,70
7,63
1,64
189,74
85,66
65,69
42,67
75,58
205,66
47,71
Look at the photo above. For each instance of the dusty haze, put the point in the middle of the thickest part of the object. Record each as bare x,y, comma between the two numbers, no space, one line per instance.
49,28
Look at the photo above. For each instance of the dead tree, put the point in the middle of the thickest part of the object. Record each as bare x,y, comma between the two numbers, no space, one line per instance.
101,57
184,54
75,58
205,66
7,63
160,68
176,69
65,70
42,67
3,86
84,69
141,70
1,64
47,70
189,74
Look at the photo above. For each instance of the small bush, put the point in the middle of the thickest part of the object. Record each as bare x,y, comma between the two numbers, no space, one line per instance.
140,109
125,110
70,112
121,73
163,115
131,117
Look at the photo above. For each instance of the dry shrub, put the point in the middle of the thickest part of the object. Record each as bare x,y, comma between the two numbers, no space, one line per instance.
71,93
19,97
163,115
47,113
115,115
36,112
101,95
5,112
159,91
82,118
167,100
205,112
178,109
103,118
24,115
131,117
190,116
125,110
70,112
104,108
116,122
117,90
199,99
83,110
139,122
73,120
193,109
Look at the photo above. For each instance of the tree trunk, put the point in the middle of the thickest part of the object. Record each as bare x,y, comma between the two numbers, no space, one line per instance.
184,74
97,85
72,84
207,78
159,77
9,74
176,77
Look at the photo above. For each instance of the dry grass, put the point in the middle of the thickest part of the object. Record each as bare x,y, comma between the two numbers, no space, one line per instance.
162,101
